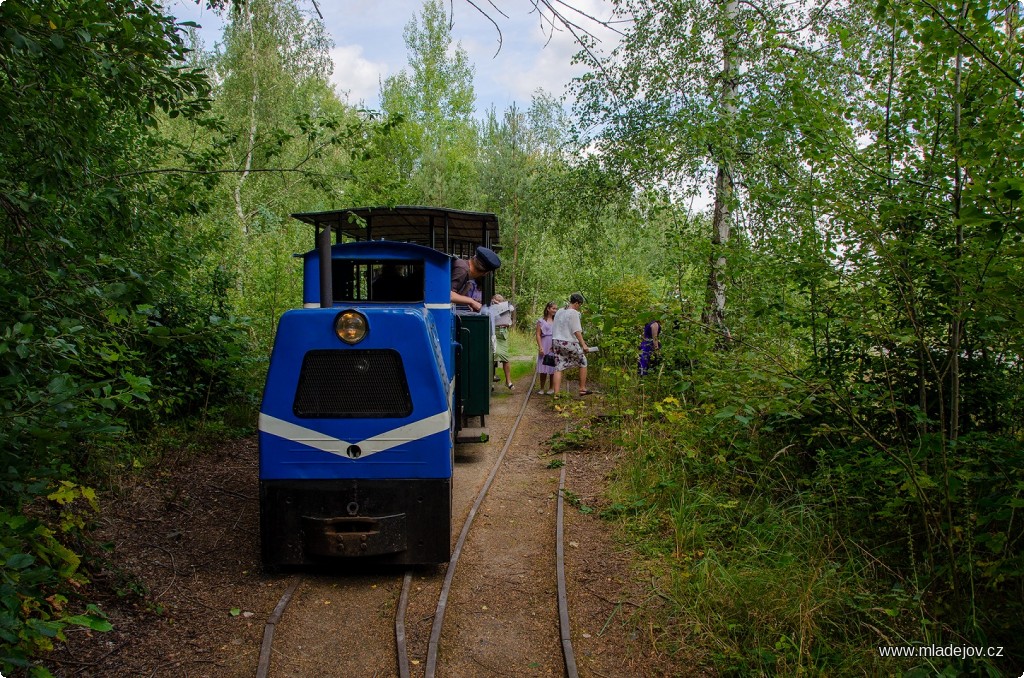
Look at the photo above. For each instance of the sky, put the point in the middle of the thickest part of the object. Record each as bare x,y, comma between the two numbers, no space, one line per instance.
369,45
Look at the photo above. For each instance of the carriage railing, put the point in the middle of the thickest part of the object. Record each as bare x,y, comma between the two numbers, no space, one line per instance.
455,232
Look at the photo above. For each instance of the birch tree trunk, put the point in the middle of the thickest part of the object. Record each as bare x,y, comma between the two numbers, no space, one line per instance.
714,313
239,211
516,220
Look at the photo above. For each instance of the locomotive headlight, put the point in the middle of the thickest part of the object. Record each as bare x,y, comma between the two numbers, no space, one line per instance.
351,326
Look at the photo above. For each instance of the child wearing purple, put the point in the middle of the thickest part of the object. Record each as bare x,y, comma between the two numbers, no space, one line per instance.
650,345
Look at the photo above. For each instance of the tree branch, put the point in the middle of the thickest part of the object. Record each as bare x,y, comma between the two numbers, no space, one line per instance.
1009,76
489,18
182,170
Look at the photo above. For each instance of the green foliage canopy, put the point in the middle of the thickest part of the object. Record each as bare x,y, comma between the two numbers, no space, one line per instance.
93,326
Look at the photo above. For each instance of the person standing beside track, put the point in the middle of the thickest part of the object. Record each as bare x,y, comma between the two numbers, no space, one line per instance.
465,270
650,348
501,310
543,337
567,343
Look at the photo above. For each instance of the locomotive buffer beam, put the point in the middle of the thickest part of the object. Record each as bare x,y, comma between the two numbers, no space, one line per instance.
472,435
355,535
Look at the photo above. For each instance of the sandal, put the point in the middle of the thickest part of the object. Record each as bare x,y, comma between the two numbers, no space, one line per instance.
511,386
585,393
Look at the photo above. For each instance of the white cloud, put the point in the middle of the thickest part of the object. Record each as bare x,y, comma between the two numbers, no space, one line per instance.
548,67
357,76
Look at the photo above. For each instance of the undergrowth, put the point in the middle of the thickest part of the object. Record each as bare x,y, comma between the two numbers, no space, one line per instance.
759,578
48,557
787,540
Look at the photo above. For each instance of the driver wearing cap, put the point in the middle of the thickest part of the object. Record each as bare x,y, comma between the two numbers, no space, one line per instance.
474,268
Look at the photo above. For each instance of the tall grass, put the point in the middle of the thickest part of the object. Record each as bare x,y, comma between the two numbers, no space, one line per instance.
758,579
521,343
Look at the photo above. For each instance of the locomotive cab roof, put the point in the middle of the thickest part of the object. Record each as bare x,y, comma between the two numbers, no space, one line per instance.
455,232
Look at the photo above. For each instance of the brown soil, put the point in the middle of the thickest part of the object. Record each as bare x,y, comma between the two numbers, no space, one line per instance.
187,596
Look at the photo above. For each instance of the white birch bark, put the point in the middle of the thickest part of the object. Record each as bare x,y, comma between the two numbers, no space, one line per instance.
722,220
242,220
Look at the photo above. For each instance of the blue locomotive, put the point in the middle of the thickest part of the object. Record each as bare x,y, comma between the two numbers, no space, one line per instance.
368,386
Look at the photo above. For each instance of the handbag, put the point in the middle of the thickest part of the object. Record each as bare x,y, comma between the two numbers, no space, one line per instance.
549,359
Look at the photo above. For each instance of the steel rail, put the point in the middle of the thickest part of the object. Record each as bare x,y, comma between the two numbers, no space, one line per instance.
563,599
400,649
442,602
263,667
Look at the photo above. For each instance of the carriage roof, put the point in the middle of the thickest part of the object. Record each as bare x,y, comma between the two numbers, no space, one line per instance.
454,232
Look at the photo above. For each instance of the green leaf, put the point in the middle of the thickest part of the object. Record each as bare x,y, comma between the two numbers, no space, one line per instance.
15,37
96,622
47,629
970,214
59,385
19,561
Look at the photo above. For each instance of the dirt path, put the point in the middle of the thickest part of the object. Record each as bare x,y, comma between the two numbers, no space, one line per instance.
188,537
503,614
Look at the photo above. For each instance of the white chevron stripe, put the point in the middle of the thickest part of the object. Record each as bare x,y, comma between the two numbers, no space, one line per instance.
378,443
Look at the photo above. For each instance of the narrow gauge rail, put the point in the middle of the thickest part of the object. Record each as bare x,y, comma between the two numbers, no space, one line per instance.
430,669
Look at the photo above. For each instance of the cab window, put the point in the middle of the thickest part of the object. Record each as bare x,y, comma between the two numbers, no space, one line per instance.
382,280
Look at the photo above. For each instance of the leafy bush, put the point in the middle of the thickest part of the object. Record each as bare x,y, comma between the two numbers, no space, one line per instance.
41,580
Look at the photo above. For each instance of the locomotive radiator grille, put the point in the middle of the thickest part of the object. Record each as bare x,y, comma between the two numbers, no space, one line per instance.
352,383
